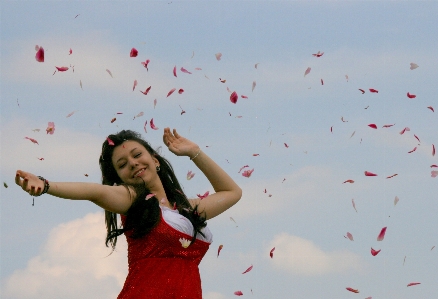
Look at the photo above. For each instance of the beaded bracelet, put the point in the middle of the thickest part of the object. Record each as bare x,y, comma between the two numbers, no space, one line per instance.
196,155
46,185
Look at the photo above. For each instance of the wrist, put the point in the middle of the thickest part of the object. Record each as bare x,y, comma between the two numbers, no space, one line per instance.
195,154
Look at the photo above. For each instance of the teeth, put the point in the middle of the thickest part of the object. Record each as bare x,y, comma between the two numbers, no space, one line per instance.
138,172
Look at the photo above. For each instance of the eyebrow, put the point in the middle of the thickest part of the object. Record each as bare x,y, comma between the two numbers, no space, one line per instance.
123,157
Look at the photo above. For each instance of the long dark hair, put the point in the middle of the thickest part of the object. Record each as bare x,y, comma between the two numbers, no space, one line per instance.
143,215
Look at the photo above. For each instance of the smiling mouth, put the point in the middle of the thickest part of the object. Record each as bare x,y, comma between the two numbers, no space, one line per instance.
138,173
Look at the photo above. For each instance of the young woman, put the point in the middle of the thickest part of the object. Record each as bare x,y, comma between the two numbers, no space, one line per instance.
166,232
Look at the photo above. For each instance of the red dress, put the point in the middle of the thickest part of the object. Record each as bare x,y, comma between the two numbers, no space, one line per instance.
160,267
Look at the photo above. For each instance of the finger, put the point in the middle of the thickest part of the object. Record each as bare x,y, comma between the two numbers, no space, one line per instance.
25,182
176,133
32,190
17,179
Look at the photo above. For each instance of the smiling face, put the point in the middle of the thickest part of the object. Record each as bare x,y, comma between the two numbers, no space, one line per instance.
134,164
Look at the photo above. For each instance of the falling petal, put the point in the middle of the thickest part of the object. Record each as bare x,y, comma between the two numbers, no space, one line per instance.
404,130
285,144
256,65
33,140
413,150
198,69
411,96
307,71
343,120
180,91
139,115
61,68
271,253
433,165
433,150
185,71
352,290
243,168
247,173
431,108
396,199
374,90
391,176
151,123
145,64
322,82
346,77
155,103
174,71
113,120
434,173
50,128
70,114
367,173
135,84
218,56
202,196
110,142
80,84
109,72
234,97
372,126
170,92
133,52
348,181
374,252
319,54
39,56
4,184
382,234
413,66
350,236
353,134
146,91
243,97
417,138
219,249
331,129
238,293
354,204
253,85
363,91
232,219
190,175
184,242
247,270
70,52
413,284
387,126
146,122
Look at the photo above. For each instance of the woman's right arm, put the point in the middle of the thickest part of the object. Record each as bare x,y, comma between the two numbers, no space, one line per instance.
117,199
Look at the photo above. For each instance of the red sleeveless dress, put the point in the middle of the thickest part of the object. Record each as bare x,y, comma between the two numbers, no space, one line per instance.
160,267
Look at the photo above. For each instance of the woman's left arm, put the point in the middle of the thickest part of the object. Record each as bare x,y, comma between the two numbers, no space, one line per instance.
227,191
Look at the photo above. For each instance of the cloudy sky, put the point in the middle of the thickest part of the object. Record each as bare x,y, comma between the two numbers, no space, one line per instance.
304,136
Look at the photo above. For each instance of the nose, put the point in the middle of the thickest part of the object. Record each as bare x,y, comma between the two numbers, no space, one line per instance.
133,163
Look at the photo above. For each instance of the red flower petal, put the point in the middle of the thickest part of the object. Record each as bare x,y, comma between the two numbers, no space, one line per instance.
174,71
374,90
146,91
62,68
350,236
348,181
413,150
322,82
319,54
218,56
354,204
50,128
243,97
133,53
382,234
204,195
411,96
113,120
433,150
70,52
237,293
109,72
352,290
367,173
374,252
247,173
307,71
433,165
146,122
145,64
234,97
391,176
39,56
434,173
181,91
404,130
417,138
271,253
151,123
185,71
110,142
247,270
285,144
135,84
31,139
388,126
219,249
372,126
170,92
413,284
431,108
363,91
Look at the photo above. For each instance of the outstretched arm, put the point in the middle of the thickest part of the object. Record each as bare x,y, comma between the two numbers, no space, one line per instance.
227,191
116,199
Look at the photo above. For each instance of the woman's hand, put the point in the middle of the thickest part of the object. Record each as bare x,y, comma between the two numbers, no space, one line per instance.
179,145
29,182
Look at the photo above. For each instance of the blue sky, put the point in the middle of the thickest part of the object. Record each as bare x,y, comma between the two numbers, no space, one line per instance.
56,248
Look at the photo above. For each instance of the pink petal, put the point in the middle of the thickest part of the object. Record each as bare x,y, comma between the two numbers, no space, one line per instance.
243,97
31,139
307,71
247,173
70,114
133,53
352,290
372,126
431,108
411,96
50,128
363,91
413,150
110,142
113,120
434,173
348,181
388,126
382,234
367,173
237,293
247,270
354,204
174,71
271,253
433,165
319,54
39,56
62,68
204,195
417,138
155,103
413,66
234,97
350,236
219,249
146,91
253,85
374,90
391,176
146,122
109,72
322,82
404,130
135,84
218,56
151,123
413,284
181,91
198,69
243,168
396,199
185,71
70,52
170,92
285,144
374,252
433,150
145,64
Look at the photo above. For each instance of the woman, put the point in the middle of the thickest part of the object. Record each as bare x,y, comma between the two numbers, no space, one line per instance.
166,233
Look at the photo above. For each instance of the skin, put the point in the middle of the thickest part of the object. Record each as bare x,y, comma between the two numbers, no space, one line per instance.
130,157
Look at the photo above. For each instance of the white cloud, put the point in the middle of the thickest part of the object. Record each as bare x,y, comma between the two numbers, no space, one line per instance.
74,263
302,257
